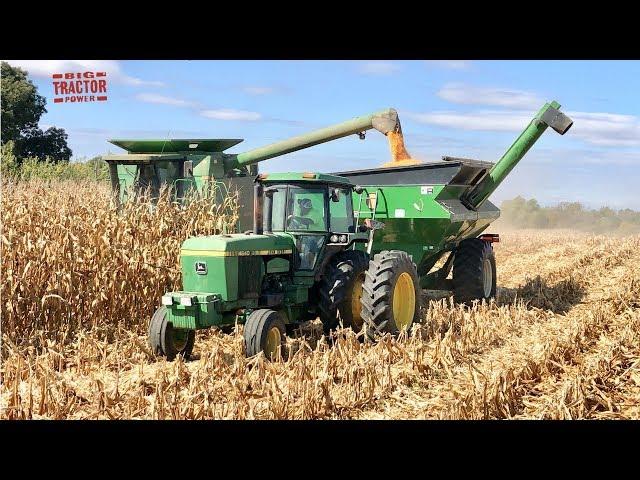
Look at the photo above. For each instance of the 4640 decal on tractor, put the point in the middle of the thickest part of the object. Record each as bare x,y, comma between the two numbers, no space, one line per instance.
354,247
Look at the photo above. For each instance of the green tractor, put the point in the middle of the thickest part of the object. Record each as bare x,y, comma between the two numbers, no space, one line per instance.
353,248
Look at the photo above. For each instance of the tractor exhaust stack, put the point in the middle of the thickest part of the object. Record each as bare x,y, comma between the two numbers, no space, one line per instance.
258,226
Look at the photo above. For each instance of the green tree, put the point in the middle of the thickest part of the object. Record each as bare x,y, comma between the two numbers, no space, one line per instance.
51,143
523,213
8,162
22,108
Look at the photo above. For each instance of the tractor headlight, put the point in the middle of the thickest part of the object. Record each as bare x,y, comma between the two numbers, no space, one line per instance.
186,301
167,300
334,238
343,239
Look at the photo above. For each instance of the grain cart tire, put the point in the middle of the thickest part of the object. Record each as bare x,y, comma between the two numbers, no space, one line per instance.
474,271
391,296
341,289
264,331
167,341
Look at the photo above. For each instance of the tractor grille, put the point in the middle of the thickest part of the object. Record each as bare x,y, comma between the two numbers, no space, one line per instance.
249,276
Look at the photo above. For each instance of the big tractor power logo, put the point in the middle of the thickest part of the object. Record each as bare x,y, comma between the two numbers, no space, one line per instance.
80,87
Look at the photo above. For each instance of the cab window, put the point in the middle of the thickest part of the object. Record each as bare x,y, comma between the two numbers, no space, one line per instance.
309,248
306,209
341,210
278,208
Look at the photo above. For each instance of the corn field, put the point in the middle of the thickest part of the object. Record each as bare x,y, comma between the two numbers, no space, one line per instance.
80,281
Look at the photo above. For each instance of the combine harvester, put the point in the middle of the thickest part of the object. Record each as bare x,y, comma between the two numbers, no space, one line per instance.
354,247
200,165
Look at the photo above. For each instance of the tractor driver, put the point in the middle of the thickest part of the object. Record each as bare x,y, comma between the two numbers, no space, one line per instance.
303,218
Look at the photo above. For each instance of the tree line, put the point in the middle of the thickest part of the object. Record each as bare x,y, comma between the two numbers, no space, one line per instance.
522,213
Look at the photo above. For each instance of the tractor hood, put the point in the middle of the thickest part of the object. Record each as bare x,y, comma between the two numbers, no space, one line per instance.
239,244
230,266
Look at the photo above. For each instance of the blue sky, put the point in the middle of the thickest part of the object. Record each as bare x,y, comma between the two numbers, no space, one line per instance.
471,109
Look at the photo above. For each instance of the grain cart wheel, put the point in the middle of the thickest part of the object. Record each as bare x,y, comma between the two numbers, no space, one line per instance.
391,296
341,289
168,341
474,271
264,331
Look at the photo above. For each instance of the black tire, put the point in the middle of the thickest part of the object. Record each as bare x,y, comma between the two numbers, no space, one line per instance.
386,270
343,275
167,341
470,275
257,330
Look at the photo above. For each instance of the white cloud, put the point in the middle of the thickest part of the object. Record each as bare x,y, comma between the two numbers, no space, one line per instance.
164,100
231,114
45,68
215,114
451,64
488,120
257,90
378,68
602,129
101,135
499,97
606,129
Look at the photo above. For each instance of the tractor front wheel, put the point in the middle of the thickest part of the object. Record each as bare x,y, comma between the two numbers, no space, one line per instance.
167,341
264,331
391,294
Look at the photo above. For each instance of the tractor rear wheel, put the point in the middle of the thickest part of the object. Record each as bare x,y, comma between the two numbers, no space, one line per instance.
341,289
264,331
391,296
474,271
167,341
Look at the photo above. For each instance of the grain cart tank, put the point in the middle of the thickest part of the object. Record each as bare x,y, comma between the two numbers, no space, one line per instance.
353,248
431,209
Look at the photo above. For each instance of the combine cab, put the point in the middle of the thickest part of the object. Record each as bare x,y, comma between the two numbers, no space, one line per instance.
183,165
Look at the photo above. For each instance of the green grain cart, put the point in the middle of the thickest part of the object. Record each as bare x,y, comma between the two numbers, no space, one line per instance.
353,248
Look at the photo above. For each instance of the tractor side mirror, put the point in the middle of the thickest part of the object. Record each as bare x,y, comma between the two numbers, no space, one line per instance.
335,195
358,189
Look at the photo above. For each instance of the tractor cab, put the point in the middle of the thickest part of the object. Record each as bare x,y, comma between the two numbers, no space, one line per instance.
315,209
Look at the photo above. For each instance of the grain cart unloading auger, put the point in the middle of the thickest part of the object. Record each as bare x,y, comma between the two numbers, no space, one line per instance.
354,247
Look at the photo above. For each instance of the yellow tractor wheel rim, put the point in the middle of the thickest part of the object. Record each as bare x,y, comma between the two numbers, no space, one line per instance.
274,340
356,306
404,301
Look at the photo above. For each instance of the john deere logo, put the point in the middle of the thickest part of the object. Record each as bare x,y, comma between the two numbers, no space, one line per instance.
201,268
